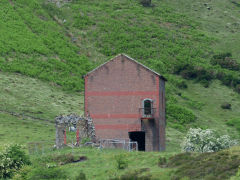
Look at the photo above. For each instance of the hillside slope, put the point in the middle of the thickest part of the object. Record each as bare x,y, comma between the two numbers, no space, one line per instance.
192,43
28,107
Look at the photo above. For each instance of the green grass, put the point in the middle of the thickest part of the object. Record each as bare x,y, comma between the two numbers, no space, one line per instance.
18,130
161,37
101,164
59,45
45,50
211,115
222,21
31,97
218,165
33,44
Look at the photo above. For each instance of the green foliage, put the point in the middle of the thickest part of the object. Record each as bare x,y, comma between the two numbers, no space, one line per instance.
199,140
237,176
121,160
81,176
84,140
38,48
179,114
136,175
235,123
220,165
225,60
46,173
189,71
43,41
226,106
12,158
82,21
162,161
182,84
22,174
146,2
64,158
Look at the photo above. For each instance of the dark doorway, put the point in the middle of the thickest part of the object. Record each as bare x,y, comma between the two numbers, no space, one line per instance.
138,136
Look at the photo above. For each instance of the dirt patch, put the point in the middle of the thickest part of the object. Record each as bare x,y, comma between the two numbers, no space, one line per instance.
68,158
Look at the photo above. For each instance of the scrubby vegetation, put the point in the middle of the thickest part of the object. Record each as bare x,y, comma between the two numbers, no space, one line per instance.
33,44
220,165
160,37
121,161
12,158
101,164
60,43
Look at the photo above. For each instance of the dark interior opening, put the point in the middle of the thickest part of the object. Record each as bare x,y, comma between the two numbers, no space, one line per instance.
147,107
138,136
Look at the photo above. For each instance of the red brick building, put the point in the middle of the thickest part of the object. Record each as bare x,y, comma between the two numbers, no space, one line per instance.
127,100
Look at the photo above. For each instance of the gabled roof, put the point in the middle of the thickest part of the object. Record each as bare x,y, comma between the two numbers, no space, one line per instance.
131,59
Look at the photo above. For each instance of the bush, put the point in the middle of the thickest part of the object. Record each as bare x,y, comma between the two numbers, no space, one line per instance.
225,61
146,2
12,158
199,140
189,71
182,84
180,114
22,174
122,161
226,106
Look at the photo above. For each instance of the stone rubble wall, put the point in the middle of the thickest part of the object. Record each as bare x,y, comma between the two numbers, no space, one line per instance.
83,124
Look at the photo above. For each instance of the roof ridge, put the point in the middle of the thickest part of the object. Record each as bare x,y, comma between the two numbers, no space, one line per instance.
122,54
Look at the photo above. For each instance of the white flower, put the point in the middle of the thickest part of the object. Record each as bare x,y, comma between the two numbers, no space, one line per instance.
199,140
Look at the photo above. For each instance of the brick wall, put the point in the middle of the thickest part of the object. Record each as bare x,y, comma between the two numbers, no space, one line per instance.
114,94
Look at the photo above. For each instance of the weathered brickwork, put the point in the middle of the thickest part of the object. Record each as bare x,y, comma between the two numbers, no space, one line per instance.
113,95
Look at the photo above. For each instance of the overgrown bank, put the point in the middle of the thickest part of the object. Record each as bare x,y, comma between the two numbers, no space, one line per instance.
91,163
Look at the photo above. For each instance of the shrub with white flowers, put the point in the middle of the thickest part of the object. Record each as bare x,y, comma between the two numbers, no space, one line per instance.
199,140
12,158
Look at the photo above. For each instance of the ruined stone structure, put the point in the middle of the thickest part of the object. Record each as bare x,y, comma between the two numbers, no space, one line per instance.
83,125
126,100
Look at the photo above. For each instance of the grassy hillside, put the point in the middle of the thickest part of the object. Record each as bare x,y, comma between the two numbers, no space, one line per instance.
33,44
28,107
220,19
103,164
192,43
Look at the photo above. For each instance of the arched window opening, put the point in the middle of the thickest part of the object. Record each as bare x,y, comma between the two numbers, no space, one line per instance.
147,106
